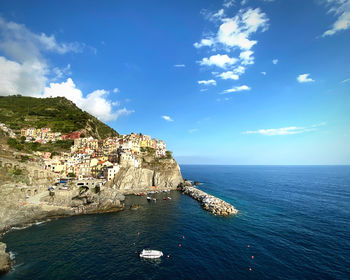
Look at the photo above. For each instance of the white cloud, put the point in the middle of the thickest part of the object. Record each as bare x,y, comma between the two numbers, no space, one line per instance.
304,78
213,16
27,78
228,75
203,89
24,70
218,60
263,73
116,90
94,103
207,83
179,65
204,42
218,15
239,70
341,8
284,130
228,3
237,88
235,32
122,112
167,118
61,72
246,57
345,81
20,44
275,61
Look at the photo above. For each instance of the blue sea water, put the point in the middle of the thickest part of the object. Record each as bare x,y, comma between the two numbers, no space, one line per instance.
293,223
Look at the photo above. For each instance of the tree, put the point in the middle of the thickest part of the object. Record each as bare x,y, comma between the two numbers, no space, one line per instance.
72,175
168,154
23,138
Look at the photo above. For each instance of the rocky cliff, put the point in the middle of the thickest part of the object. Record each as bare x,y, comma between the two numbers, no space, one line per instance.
164,174
5,260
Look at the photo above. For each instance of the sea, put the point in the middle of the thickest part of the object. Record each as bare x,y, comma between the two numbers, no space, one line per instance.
293,223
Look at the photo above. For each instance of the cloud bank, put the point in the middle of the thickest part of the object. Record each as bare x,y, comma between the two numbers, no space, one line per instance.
285,130
25,70
340,8
234,35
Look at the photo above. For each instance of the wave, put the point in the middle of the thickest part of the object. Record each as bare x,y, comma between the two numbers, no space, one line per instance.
12,255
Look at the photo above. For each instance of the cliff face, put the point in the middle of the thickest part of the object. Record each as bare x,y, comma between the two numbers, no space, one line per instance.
151,176
18,209
5,260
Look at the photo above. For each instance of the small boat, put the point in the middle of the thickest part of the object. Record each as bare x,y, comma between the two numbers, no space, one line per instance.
149,198
154,199
151,254
169,197
164,198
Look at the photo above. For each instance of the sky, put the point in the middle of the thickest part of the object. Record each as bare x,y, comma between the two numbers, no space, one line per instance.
222,82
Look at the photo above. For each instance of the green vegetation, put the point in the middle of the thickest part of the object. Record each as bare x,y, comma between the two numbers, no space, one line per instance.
168,154
14,144
52,147
17,172
59,114
147,150
24,158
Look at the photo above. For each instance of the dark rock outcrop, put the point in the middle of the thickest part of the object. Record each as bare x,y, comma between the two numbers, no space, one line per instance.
5,260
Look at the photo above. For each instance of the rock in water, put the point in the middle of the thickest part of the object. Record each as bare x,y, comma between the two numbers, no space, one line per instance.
5,260
134,207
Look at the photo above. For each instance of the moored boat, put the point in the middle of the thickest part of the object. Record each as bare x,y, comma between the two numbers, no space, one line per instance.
151,254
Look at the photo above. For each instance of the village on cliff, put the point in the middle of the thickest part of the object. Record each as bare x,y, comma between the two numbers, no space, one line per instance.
93,158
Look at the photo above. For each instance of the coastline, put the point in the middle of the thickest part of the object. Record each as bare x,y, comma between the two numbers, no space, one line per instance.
41,213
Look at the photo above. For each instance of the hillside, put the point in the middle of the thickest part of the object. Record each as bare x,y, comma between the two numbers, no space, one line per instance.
59,114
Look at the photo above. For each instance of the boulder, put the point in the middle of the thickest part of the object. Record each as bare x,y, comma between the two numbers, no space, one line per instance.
5,260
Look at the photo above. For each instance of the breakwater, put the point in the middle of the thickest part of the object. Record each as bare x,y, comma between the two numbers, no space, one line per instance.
209,202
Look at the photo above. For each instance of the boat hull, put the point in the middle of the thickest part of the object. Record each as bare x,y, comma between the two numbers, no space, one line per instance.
151,254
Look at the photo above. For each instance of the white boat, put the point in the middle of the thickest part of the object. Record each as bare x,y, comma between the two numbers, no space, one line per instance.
151,254
149,198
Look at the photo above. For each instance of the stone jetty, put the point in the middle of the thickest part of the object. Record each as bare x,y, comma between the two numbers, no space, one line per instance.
209,202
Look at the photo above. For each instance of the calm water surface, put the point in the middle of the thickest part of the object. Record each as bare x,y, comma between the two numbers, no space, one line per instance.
293,223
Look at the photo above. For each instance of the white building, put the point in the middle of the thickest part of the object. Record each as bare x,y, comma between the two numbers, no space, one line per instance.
161,148
111,171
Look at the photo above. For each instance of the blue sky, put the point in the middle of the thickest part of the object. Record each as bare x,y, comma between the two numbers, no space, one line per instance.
222,82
